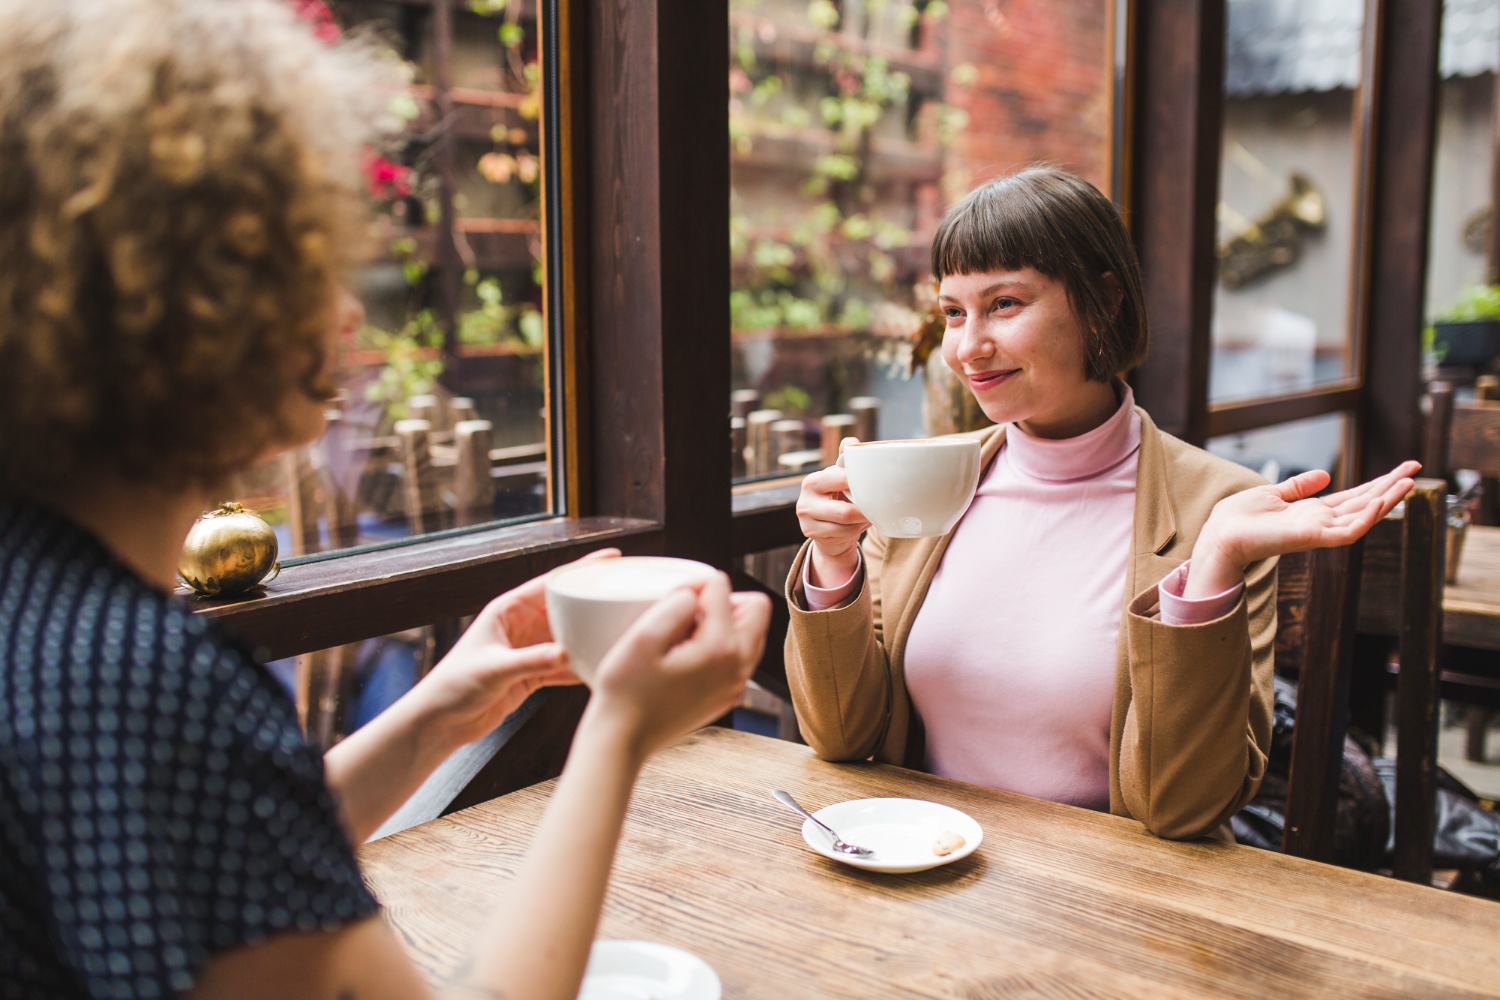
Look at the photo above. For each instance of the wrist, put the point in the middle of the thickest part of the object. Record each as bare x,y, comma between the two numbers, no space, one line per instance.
612,730
830,569
1215,568
426,724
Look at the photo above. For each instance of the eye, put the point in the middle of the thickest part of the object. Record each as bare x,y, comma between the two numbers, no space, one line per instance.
953,312
1005,302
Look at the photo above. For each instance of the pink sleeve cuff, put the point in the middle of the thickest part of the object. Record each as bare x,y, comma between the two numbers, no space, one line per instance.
1178,610
823,598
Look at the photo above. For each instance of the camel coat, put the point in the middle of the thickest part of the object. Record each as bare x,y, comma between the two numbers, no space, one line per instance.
1191,726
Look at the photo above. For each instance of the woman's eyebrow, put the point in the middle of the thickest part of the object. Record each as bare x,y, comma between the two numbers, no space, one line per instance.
992,289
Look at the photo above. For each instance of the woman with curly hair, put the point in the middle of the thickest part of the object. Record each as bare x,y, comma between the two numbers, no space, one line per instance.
180,203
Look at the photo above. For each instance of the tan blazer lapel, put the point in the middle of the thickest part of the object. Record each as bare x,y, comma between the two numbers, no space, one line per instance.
1153,531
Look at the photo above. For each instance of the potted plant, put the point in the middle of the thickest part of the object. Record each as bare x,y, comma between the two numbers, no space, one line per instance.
1468,334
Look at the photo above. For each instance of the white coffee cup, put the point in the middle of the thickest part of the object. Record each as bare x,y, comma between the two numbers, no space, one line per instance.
591,604
913,489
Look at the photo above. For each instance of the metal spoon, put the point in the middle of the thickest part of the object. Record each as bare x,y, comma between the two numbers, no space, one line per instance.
838,843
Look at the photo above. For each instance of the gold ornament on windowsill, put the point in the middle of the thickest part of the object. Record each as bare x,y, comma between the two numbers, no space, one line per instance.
228,551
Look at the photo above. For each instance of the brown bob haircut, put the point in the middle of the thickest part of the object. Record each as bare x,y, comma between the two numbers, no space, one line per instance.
1059,224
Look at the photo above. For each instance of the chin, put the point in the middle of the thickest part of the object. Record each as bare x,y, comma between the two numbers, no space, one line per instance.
1004,411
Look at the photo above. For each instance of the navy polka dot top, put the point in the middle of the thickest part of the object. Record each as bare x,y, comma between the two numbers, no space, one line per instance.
158,805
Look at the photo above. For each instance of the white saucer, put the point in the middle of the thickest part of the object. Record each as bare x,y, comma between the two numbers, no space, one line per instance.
645,970
901,832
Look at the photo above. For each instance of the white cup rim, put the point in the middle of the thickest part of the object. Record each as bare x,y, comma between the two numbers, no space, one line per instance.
557,579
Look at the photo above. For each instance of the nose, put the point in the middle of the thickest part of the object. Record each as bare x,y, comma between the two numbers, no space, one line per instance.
974,344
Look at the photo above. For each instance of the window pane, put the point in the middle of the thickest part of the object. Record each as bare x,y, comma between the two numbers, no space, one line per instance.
1285,450
1286,208
854,125
475,373
1459,236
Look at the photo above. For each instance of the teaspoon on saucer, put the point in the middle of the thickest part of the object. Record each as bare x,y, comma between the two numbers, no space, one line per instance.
838,842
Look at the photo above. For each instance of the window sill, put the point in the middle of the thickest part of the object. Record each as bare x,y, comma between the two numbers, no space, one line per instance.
765,515
335,601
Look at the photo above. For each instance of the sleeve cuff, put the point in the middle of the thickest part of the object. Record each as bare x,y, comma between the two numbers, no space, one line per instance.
1179,610
823,598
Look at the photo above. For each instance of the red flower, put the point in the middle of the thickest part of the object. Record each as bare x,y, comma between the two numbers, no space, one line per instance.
317,14
387,180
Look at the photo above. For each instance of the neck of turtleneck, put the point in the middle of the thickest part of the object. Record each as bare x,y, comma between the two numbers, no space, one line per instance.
1083,457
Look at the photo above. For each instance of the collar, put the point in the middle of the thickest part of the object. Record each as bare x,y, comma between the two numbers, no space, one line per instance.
1084,456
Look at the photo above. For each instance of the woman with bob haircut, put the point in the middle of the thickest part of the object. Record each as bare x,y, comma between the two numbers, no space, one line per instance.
180,204
1097,629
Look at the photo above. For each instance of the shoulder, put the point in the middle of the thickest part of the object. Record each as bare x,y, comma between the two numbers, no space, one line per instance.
1194,469
1186,479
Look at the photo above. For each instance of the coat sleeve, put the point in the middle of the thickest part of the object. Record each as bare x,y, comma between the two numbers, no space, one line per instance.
836,663
1197,734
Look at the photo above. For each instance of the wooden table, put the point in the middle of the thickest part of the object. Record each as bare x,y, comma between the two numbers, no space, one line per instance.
1058,901
1471,607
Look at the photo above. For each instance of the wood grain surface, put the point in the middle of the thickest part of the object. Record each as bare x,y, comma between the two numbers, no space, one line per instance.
1471,607
1057,902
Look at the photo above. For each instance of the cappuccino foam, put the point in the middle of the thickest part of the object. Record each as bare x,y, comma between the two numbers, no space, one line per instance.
625,580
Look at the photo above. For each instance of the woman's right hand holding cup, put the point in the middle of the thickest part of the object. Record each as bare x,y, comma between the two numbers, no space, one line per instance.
684,663
832,522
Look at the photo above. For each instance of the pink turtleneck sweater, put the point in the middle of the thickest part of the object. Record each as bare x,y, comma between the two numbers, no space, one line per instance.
1011,660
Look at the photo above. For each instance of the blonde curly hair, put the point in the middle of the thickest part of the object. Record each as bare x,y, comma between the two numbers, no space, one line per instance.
180,192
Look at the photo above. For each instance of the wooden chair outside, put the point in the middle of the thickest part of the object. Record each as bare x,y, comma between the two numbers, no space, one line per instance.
1323,598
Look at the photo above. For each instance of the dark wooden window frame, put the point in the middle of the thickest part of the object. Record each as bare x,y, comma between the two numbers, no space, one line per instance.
1178,69
639,380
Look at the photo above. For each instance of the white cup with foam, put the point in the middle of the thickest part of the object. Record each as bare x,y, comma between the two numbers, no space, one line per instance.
591,604
913,489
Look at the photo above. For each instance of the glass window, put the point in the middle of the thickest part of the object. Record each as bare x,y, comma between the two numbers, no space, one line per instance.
1286,197
1459,236
854,125
443,419
1284,450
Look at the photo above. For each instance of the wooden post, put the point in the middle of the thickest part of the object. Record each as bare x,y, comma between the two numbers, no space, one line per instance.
473,487
758,432
1487,387
461,408
1176,125
425,408
1329,622
1439,425
786,436
339,508
1403,85
419,485
448,269
1423,537
737,447
324,689
743,402
836,427
302,500
866,410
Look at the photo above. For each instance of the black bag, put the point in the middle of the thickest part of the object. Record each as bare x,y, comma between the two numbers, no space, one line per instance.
1466,836
1362,824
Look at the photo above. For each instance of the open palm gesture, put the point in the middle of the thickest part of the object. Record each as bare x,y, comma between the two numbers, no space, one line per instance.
1285,517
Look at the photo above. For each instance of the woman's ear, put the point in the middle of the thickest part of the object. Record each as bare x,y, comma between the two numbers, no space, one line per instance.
1116,292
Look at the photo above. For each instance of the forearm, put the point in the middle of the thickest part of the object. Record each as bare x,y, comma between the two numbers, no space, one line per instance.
537,945
376,769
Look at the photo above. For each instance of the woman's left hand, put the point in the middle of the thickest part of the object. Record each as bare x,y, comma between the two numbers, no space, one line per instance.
1286,517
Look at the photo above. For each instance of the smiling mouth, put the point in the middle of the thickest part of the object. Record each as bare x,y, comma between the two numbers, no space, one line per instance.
988,380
